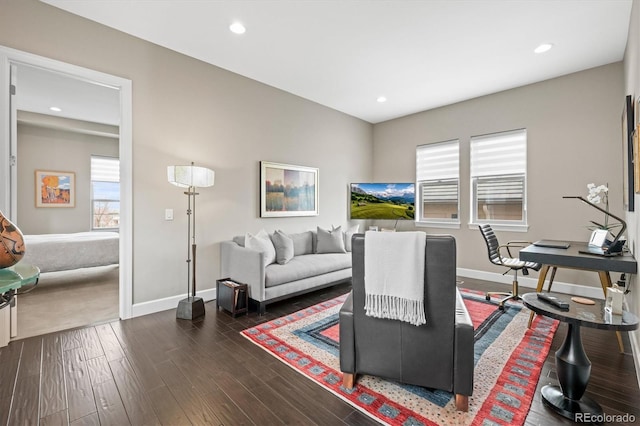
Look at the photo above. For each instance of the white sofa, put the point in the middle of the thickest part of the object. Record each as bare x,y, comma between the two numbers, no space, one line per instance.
311,264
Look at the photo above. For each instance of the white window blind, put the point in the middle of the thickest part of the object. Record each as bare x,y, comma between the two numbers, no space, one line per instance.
438,161
437,176
499,154
105,169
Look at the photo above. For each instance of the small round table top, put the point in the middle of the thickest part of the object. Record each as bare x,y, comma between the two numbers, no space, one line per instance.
17,276
593,316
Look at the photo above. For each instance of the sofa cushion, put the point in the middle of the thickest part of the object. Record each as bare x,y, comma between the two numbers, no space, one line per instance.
347,235
284,247
302,243
305,266
330,241
262,243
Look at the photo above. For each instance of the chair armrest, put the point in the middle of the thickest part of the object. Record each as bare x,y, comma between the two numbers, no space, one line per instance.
243,265
519,244
347,337
463,350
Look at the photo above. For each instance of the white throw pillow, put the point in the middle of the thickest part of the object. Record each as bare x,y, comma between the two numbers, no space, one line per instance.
347,235
262,243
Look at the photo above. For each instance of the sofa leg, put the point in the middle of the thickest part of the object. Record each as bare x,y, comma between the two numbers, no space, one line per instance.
348,380
262,308
462,402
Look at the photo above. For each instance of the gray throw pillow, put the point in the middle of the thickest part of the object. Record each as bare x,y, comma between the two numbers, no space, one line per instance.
330,241
284,247
302,243
347,235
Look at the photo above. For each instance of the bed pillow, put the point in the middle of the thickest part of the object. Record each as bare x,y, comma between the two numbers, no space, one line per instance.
330,241
262,243
284,247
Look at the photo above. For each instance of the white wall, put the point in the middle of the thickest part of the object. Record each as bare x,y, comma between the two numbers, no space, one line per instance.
185,110
573,138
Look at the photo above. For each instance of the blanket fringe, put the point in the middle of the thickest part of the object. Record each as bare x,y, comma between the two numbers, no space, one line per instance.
397,308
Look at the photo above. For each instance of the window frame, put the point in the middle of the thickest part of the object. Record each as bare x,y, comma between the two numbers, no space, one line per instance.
437,222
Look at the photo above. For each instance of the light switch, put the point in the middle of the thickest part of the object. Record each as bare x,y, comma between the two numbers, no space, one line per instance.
168,214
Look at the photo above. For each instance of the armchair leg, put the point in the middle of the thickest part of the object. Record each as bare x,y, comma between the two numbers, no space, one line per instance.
348,380
462,402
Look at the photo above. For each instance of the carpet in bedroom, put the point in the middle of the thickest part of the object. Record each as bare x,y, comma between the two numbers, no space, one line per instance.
69,299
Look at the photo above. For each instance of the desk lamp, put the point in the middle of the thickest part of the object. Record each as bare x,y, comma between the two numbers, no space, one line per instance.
190,177
612,248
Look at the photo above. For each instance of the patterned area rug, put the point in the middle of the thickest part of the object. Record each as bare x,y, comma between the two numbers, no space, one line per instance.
508,361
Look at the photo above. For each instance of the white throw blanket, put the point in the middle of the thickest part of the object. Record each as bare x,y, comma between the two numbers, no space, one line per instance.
394,275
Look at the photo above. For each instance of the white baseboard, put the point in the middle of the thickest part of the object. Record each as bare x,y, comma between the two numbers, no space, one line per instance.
158,305
559,286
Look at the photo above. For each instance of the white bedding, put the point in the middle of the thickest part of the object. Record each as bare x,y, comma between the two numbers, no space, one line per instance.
61,252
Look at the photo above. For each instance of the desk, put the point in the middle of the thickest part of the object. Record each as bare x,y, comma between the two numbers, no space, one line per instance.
572,365
11,279
572,258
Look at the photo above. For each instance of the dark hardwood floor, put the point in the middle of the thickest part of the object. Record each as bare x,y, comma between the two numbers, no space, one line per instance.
159,370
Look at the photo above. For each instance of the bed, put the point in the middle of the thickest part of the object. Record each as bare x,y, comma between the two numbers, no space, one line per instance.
62,252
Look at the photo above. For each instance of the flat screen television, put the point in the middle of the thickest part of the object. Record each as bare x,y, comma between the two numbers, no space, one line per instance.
392,201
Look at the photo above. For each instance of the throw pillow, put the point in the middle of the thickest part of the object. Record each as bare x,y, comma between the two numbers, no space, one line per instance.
302,243
262,243
347,235
330,241
284,247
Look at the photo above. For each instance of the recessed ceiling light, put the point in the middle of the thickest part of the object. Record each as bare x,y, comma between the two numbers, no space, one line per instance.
544,47
381,99
237,28
56,109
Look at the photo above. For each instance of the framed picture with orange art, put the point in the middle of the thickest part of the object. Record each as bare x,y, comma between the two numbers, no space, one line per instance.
55,189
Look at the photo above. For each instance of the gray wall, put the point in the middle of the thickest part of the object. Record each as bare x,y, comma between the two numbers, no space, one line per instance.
185,110
573,136
44,148
632,87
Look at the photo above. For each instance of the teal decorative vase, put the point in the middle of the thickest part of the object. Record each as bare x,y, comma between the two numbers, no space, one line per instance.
11,243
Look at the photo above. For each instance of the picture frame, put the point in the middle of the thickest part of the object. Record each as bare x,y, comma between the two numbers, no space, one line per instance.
630,176
287,190
55,189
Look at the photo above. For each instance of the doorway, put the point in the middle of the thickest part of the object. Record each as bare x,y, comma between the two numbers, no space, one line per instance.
12,61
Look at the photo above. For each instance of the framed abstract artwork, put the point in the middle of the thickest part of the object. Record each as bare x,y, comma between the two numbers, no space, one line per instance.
287,190
55,189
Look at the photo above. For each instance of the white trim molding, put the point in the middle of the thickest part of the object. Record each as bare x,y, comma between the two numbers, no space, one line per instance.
158,305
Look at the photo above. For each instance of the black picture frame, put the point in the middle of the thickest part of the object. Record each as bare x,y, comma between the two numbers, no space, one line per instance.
628,152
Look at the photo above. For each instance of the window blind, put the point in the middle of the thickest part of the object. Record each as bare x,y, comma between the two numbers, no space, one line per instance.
499,154
438,161
105,169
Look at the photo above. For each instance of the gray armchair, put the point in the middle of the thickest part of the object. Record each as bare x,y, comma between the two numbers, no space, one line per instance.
438,354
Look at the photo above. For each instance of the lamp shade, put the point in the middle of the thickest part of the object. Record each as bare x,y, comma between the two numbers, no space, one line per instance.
190,175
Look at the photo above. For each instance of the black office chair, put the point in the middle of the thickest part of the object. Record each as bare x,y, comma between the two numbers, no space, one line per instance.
513,263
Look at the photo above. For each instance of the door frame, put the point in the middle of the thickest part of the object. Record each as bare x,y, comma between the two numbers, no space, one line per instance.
10,56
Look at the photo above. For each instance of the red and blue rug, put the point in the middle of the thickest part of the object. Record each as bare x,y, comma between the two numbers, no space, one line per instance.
508,360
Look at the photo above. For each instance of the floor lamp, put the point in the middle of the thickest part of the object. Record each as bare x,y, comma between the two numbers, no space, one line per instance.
190,177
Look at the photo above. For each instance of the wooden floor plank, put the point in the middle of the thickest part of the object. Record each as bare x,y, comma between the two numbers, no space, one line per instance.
99,370
110,344
61,418
136,403
9,360
167,409
24,409
91,343
90,420
111,410
53,392
78,381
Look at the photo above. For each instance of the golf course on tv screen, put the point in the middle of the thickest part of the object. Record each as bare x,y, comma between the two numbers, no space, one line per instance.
392,201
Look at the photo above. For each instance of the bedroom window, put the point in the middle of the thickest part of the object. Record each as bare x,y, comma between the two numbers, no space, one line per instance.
499,180
437,176
105,193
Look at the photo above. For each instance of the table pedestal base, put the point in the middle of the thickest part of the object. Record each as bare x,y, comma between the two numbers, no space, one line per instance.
553,398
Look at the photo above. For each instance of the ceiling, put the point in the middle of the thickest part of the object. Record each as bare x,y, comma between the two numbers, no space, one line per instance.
345,54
